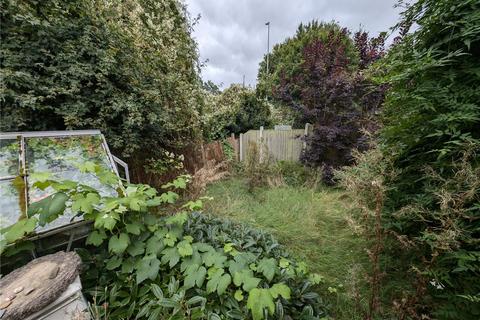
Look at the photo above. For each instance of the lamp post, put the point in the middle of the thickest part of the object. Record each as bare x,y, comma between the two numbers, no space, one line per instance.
268,44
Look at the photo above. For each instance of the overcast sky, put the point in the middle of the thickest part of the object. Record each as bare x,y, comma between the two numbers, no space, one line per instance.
232,35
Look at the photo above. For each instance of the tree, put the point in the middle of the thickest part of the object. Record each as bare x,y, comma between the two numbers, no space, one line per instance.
128,68
236,109
286,59
330,91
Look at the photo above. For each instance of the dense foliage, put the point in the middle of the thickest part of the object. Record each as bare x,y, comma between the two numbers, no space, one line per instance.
287,57
128,68
182,266
429,159
329,90
236,109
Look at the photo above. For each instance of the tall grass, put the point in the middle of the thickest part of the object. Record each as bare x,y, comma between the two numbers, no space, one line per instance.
313,224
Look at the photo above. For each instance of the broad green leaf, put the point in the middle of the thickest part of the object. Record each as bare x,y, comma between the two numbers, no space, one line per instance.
96,237
193,205
87,166
49,208
238,295
195,258
315,278
154,246
147,268
245,258
202,247
170,239
57,206
184,248
64,185
106,220
258,300
113,263
178,183
136,203
280,289
20,229
234,266
136,248
245,279
223,283
178,219
301,268
157,291
284,263
214,258
169,197
195,275
170,256
127,265
196,299
118,244
84,203
218,281
133,228
228,247
40,176
267,267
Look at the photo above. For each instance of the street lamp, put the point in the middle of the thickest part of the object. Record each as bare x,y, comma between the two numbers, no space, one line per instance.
268,44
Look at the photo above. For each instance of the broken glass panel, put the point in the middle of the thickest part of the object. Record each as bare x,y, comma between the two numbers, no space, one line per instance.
9,155
63,158
12,201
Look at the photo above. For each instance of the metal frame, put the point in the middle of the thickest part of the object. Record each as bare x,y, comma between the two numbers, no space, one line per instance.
23,171
124,165
41,134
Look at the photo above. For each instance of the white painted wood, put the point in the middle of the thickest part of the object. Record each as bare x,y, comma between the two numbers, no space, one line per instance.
241,146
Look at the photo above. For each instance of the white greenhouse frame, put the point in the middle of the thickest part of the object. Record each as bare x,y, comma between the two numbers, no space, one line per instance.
76,230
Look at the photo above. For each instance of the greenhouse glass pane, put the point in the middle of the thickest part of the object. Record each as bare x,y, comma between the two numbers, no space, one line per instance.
9,155
63,157
11,203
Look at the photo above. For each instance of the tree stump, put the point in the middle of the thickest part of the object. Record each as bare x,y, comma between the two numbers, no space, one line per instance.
32,287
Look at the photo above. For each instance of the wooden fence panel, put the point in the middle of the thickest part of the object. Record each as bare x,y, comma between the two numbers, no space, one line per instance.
280,144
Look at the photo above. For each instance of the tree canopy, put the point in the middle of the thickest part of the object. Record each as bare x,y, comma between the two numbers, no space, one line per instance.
127,68
236,109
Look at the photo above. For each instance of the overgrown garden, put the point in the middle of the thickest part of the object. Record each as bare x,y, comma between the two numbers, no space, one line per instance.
391,168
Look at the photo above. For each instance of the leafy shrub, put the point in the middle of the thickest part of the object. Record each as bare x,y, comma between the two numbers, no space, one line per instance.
296,174
330,91
181,266
236,109
431,139
128,69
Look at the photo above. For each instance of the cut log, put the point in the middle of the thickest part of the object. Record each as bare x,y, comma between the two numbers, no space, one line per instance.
32,287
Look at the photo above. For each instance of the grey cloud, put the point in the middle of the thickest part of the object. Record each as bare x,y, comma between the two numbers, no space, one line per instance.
233,37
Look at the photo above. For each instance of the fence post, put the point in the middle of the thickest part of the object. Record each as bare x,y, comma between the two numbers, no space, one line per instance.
241,146
261,144
305,134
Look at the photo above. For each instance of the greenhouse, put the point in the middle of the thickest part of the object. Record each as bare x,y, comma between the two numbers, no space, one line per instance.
27,157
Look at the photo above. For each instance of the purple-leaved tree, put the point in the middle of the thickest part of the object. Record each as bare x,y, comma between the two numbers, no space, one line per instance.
332,93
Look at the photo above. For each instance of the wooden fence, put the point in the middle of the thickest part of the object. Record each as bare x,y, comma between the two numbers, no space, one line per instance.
279,144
